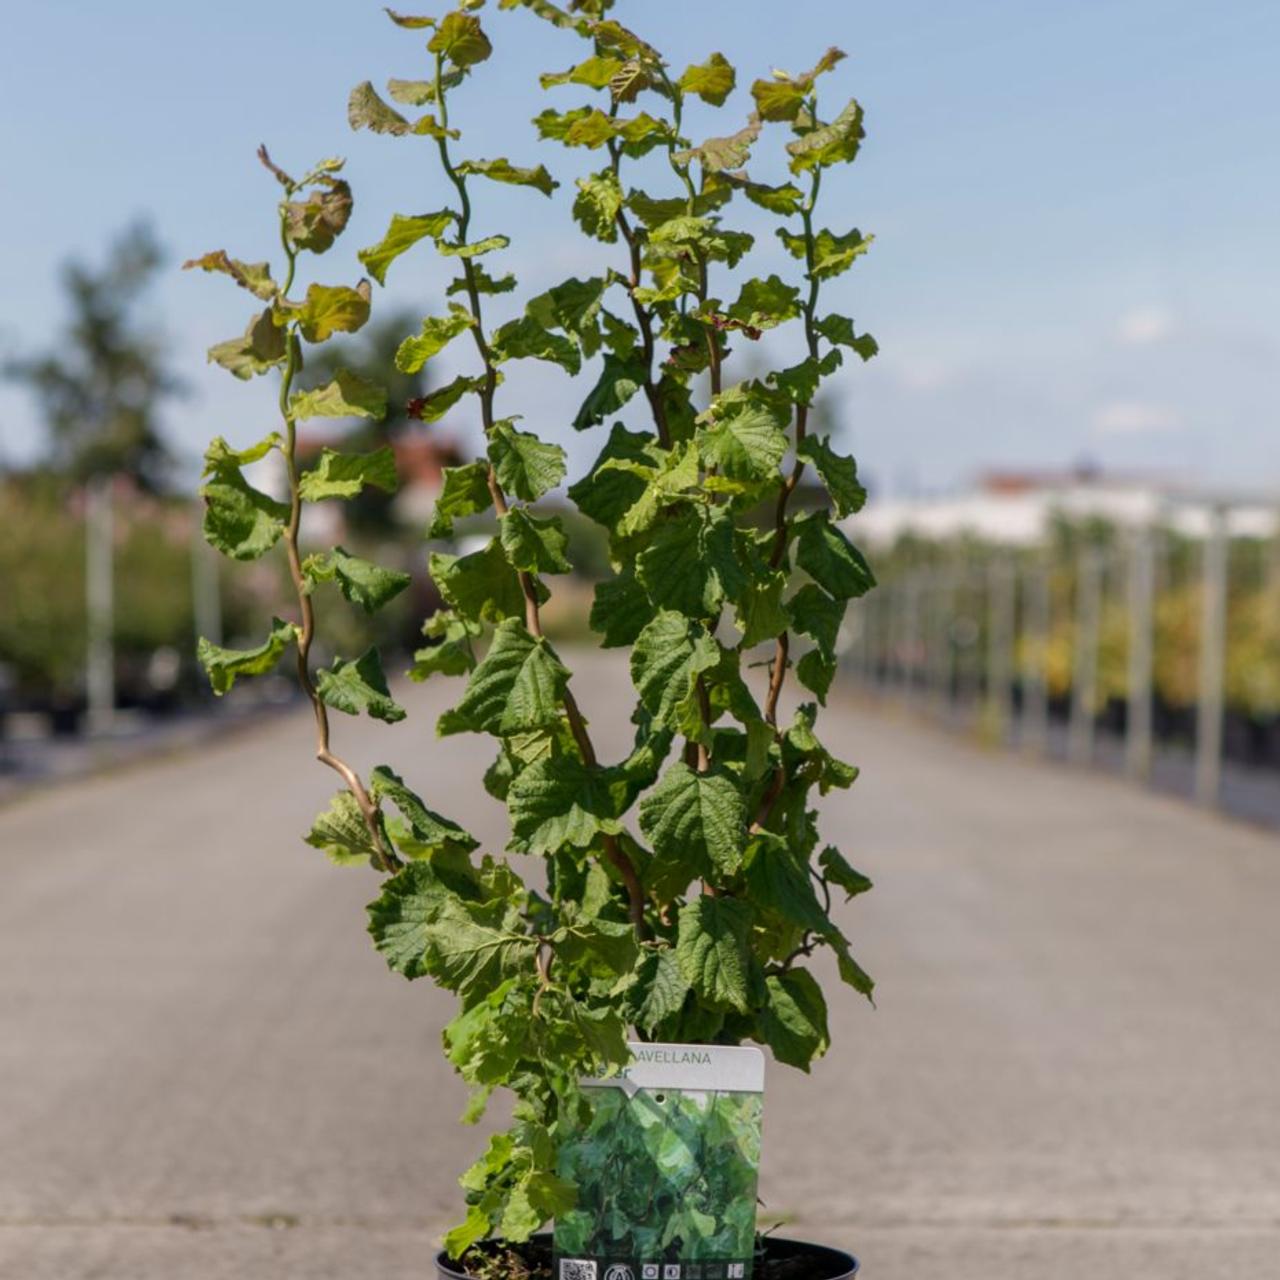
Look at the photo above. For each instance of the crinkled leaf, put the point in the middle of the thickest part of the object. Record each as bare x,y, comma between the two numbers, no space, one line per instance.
527,339
366,110
840,331
262,348
362,582
432,833
560,800
620,609
254,276
597,205
764,304
403,233
347,395
533,543
343,475
793,1022
839,473
712,81
718,154
341,833
437,333
503,170
837,871
481,586
477,249
760,612
830,559
696,816
748,442
834,143
240,521
691,565
316,222
465,492
460,38
525,466
329,309
605,494
518,686
359,686
669,654
815,614
224,666
713,951
619,380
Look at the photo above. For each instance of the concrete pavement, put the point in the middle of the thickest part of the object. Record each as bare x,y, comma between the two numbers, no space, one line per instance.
206,1072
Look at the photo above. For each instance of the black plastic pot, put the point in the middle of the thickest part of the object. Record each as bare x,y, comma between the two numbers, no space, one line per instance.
782,1260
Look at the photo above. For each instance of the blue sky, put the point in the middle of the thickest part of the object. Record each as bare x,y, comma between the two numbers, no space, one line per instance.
1075,203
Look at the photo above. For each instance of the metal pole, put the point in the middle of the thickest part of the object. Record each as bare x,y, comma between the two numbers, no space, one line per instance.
99,536
1142,592
1038,607
1001,624
1084,675
1213,643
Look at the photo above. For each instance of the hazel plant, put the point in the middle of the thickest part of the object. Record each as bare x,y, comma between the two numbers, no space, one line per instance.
686,884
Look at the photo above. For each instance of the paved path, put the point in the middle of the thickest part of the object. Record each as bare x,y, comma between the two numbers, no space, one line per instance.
1074,1070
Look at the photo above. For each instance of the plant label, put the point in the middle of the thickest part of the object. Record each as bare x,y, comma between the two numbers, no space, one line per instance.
666,1158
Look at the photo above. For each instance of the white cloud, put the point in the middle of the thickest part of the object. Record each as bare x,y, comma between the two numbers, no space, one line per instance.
1144,326
1133,417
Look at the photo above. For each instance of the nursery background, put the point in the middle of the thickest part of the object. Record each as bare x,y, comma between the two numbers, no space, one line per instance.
1069,440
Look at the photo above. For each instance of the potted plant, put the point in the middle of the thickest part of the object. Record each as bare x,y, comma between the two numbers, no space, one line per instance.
687,884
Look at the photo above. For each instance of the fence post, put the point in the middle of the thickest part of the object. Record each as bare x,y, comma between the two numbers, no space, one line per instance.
1035,712
1084,674
1142,578
99,541
1213,640
1001,624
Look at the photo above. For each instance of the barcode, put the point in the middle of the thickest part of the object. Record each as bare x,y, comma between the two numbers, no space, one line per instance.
577,1269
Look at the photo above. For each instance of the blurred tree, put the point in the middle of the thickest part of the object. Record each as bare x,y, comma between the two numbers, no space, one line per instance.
100,387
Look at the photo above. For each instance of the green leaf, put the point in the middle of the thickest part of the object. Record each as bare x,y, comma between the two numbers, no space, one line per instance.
839,330
779,883
329,309
504,171
765,304
698,817
573,306
362,582
460,38
620,379
605,494
477,249
366,110
527,339
481,586
348,395
518,687
602,948
316,222
747,441
403,233
262,348
659,991
254,276
465,492
837,871
817,615
830,559
786,199
839,473
816,672
783,97
343,475
452,655
714,953
408,20
834,143
793,1022
620,609
716,155
412,93
800,382
359,686
240,521
559,800
341,833
435,404
712,81
597,205
525,466
533,544
224,666
432,834
471,1230
669,655
832,254
437,333
596,73
760,613
691,565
